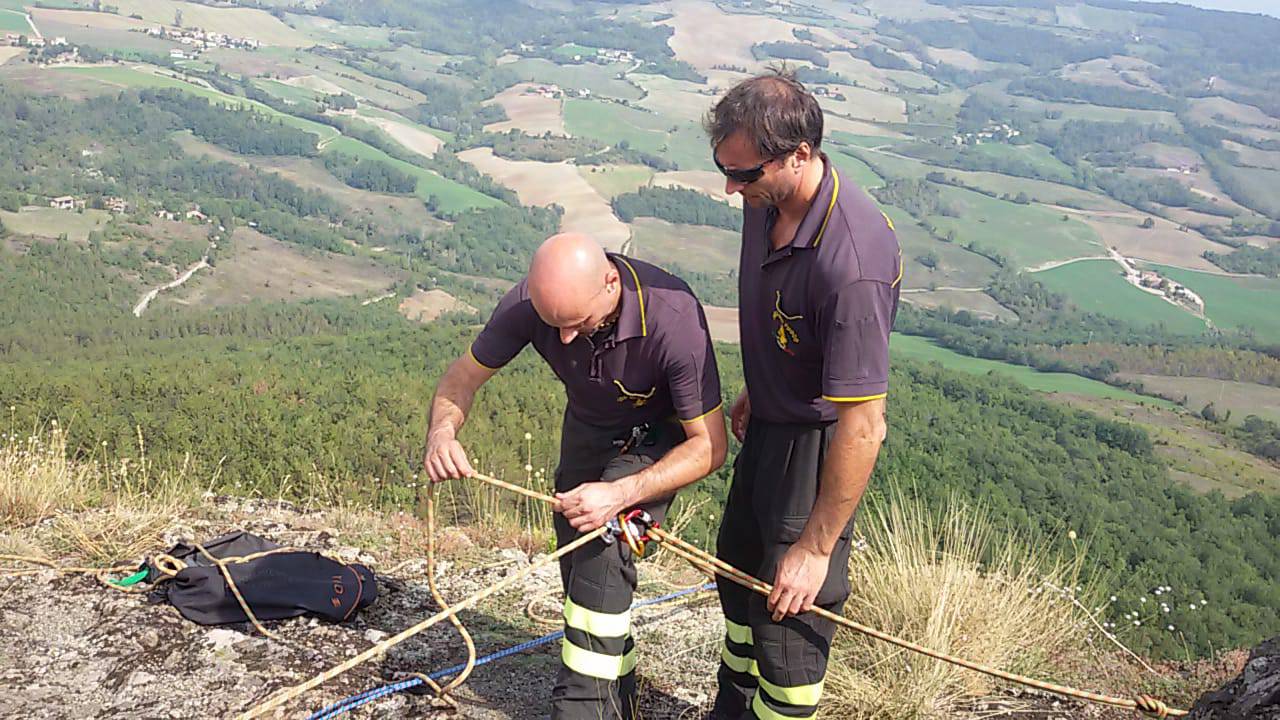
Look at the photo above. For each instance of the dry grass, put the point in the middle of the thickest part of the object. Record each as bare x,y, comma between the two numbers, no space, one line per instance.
947,580
97,511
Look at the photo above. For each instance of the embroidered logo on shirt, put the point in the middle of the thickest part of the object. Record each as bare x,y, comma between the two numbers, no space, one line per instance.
636,399
784,335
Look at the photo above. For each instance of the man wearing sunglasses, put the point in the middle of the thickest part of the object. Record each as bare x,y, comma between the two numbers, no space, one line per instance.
818,292
642,419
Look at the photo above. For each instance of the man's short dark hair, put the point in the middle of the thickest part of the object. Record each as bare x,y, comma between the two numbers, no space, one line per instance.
775,111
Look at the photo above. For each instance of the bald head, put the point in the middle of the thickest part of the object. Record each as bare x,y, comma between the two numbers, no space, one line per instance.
572,284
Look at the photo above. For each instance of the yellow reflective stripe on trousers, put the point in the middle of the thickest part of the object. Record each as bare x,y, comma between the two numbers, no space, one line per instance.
739,664
762,711
594,664
740,634
798,695
601,625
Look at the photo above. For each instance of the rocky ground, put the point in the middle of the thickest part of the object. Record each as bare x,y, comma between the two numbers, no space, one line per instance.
74,648
77,649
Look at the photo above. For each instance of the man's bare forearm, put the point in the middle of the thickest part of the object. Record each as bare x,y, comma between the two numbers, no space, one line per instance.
845,474
454,394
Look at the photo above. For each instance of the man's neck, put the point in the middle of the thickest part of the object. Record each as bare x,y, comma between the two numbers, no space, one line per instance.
797,206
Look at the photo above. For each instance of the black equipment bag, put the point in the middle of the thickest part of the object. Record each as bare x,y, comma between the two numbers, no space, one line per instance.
276,586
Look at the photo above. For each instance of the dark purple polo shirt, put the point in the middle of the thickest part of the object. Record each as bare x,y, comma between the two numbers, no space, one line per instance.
654,362
815,314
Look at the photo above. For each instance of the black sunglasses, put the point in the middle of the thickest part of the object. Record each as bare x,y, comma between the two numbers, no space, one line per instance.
745,176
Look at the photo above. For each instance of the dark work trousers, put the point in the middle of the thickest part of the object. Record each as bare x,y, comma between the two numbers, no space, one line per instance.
768,670
596,680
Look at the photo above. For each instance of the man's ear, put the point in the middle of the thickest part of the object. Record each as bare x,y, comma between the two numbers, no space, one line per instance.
802,154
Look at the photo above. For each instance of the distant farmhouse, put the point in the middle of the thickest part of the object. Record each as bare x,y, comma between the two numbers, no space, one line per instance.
66,202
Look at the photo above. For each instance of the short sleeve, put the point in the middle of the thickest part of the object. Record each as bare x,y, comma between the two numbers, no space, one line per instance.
855,325
692,375
509,329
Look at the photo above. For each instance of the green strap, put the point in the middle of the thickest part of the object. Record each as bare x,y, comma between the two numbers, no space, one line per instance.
133,579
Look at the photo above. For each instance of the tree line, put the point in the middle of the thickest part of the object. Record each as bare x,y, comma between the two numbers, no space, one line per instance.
677,205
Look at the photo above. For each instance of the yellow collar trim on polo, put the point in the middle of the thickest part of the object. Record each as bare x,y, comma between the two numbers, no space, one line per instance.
644,325
835,193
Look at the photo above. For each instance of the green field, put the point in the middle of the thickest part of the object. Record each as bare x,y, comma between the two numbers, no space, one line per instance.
47,222
14,22
612,180
855,170
692,247
129,77
1097,286
915,347
331,31
956,267
611,124
1034,156
599,79
569,50
867,141
1026,235
1234,302
1039,190
453,197
1259,188
288,93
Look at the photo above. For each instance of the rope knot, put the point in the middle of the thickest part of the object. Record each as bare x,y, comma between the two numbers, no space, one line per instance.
1154,707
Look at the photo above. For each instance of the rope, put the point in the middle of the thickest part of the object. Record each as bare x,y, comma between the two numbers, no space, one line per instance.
289,694
701,559
709,563
351,703
442,692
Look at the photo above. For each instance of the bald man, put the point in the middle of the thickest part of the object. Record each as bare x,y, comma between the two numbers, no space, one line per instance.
642,420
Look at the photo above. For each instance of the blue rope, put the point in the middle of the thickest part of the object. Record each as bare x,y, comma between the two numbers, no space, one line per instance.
351,703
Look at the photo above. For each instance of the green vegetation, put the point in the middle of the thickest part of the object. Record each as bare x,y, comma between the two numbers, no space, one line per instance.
1001,230
1243,304
614,180
1032,161
1256,188
515,145
600,80
785,50
243,131
915,347
130,78
342,402
1249,259
14,22
855,170
1004,42
677,205
369,175
1098,286
629,128
1057,89
443,195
